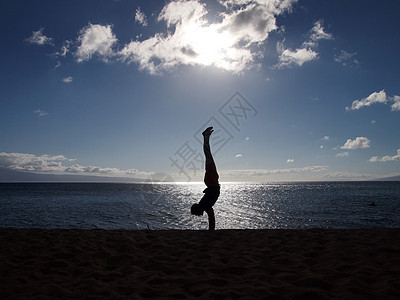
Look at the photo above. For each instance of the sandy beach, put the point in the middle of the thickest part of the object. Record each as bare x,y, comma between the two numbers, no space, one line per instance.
252,264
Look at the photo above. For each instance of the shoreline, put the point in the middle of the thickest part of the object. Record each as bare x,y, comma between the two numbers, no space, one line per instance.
230,263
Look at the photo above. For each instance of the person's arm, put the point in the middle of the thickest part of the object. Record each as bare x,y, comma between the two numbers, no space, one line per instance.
211,218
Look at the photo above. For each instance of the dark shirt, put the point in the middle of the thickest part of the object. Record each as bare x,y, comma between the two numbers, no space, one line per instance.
211,195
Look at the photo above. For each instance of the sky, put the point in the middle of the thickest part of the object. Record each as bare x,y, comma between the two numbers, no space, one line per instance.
295,90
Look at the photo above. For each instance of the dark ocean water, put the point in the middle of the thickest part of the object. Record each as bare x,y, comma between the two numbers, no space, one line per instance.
167,206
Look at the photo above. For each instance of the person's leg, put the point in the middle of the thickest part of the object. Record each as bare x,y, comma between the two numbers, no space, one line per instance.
211,176
206,144
211,218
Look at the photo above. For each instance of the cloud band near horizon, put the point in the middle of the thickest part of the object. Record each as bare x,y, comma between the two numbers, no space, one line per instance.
55,164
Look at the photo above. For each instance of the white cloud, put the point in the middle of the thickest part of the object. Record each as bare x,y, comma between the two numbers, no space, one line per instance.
40,113
386,157
289,58
262,172
65,48
238,155
140,17
290,160
55,165
396,104
254,173
307,52
321,147
346,59
359,142
95,39
318,32
68,79
31,162
346,176
252,21
191,39
343,154
311,173
39,38
376,97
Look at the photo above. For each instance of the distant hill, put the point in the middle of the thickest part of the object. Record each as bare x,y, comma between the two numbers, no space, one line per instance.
394,178
7,175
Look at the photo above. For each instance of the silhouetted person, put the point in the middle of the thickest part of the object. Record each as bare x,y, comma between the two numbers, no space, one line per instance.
211,193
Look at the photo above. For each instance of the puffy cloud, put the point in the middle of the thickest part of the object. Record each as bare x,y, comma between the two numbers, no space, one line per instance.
278,4
376,97
359,142
39,38
40,113
386,157
140,17
290,160
306,53
193,40
396,104
31,162
346,59
298,57
95,39
54,165
231,42
254,20
68,79
318,32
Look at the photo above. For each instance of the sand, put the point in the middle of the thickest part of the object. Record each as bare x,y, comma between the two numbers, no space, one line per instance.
249,264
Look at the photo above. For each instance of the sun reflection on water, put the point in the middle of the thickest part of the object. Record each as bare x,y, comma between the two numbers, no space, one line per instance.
167,206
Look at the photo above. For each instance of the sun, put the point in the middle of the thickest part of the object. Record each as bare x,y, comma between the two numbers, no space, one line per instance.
210,46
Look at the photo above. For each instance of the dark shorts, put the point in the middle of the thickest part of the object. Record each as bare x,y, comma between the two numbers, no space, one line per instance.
211,195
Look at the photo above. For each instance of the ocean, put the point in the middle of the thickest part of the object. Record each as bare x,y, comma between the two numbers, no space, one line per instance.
167,206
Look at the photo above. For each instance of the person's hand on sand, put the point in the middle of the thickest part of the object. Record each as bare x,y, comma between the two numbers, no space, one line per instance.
208,131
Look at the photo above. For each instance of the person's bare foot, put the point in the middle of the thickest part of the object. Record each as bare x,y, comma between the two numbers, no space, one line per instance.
208,131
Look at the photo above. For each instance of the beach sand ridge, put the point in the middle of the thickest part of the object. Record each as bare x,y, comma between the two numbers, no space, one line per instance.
250,264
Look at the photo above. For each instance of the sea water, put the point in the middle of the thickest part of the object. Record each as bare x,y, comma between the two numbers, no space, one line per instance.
167,205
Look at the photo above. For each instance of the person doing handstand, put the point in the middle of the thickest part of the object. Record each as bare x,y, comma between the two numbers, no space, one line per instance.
211,193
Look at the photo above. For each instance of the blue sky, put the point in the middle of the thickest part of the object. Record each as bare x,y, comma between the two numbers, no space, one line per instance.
122,88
